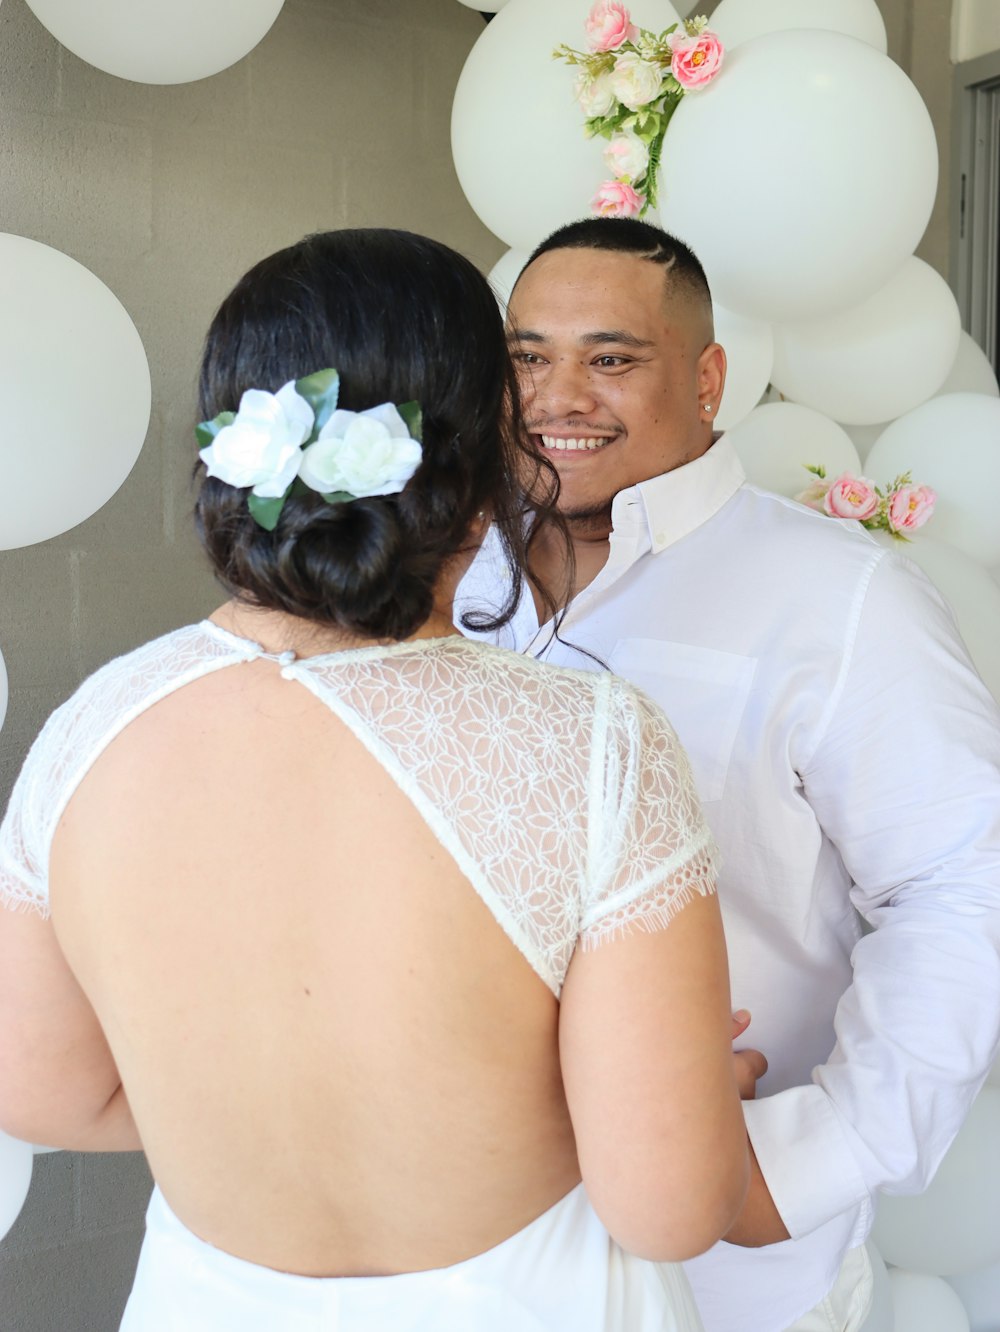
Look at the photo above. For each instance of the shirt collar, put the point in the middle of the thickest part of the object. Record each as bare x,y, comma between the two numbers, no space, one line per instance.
677,502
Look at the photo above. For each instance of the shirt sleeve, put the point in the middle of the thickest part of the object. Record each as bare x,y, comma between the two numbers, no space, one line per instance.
905,781
650,849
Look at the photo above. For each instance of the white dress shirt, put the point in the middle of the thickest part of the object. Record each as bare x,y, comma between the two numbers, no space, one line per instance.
847,756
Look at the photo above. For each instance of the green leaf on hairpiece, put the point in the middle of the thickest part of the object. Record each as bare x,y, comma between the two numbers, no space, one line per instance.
320,391
338,496
413,418
266,512
206,431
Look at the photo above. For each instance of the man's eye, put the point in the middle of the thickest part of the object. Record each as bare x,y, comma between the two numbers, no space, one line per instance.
527,358
612,362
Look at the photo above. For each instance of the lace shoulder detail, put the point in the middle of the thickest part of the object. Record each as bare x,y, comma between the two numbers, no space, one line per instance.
562,795
656,850
73,737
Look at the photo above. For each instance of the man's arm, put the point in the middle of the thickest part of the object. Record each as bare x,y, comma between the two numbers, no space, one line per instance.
905,781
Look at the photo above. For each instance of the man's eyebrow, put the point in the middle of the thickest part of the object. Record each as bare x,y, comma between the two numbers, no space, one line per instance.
618,336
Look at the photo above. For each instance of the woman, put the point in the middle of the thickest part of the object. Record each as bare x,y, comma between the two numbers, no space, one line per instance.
375,939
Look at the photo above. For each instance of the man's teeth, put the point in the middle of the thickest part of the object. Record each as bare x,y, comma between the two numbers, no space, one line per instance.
557,442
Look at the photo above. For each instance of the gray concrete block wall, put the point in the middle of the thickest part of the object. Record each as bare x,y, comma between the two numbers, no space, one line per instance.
339,118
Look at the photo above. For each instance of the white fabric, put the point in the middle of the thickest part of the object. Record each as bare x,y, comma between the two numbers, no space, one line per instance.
563,797
849,1303
845,751
561,1272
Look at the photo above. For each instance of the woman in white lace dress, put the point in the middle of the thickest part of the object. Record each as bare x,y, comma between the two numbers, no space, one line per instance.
375,939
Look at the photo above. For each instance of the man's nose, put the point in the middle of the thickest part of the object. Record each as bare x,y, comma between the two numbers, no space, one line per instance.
565,389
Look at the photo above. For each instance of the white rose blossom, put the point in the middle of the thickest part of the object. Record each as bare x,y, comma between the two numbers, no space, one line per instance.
626,155
262,446
362,453
635,81
594,94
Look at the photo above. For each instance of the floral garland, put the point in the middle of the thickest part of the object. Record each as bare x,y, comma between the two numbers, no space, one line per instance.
899,508
631,83
296,440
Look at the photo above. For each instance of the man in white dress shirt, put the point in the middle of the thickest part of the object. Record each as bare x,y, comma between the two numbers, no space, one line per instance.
846,753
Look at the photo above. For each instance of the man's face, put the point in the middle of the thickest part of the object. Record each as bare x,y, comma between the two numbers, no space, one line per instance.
614,371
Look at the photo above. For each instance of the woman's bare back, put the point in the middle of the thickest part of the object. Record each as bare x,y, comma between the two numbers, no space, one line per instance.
338,1062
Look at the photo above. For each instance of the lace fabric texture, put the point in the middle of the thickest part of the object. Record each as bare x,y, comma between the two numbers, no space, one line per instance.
563,796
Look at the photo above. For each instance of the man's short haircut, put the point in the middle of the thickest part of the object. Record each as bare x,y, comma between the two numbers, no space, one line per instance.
629,236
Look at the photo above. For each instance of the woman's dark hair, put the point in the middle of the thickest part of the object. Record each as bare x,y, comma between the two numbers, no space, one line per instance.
401,318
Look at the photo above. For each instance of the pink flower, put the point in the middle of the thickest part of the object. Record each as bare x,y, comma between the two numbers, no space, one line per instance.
608,25
851,497
910,507
814,495
696,60
617,198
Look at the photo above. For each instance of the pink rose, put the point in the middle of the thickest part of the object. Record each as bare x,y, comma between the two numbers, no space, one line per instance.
608,25
696,60
851,497
910,507
617,198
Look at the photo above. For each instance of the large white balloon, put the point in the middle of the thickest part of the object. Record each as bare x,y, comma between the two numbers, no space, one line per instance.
954,1226
925,1304
516,129
749,347
802,176
737,21
880,358
505,273
777,441
980,1295
880,1316
972,594
150,41
971,371
74,392
16,1161
953,444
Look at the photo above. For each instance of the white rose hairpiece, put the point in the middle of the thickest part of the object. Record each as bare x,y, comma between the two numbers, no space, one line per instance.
283,443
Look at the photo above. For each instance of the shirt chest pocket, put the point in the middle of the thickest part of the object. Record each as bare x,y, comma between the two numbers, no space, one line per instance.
704,693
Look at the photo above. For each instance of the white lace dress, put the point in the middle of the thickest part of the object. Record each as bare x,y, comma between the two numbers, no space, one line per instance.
564,798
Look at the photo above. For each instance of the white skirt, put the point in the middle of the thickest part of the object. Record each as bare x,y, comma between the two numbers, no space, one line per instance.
562,1272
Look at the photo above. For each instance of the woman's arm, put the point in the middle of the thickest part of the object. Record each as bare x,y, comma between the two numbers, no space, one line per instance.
645,1041
59,1085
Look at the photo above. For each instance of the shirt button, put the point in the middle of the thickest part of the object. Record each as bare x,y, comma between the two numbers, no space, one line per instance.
661,538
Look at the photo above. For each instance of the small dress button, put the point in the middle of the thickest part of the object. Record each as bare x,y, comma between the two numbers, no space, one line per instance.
287,673
286,658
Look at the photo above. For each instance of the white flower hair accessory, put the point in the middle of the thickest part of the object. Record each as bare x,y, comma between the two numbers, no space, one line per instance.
285,443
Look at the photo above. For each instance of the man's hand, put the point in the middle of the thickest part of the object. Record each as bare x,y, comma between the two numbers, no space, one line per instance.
750,1064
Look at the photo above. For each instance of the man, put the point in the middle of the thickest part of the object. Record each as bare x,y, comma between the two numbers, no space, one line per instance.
844,749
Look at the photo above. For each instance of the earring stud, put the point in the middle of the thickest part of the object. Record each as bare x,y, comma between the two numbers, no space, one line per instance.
708,406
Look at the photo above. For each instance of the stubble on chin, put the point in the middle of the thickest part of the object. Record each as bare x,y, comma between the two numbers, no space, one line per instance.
590,521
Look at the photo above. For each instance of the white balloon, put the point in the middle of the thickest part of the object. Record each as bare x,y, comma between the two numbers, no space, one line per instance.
972,595
16,1161
777,441
738,21
484,6
951,443
980,1296
954,1226
880,1316
505,273
749,348
150,41
971,371
802,176
925,1304
74,392
516,129
880,358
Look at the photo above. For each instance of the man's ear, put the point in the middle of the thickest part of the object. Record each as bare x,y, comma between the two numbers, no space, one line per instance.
711,379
